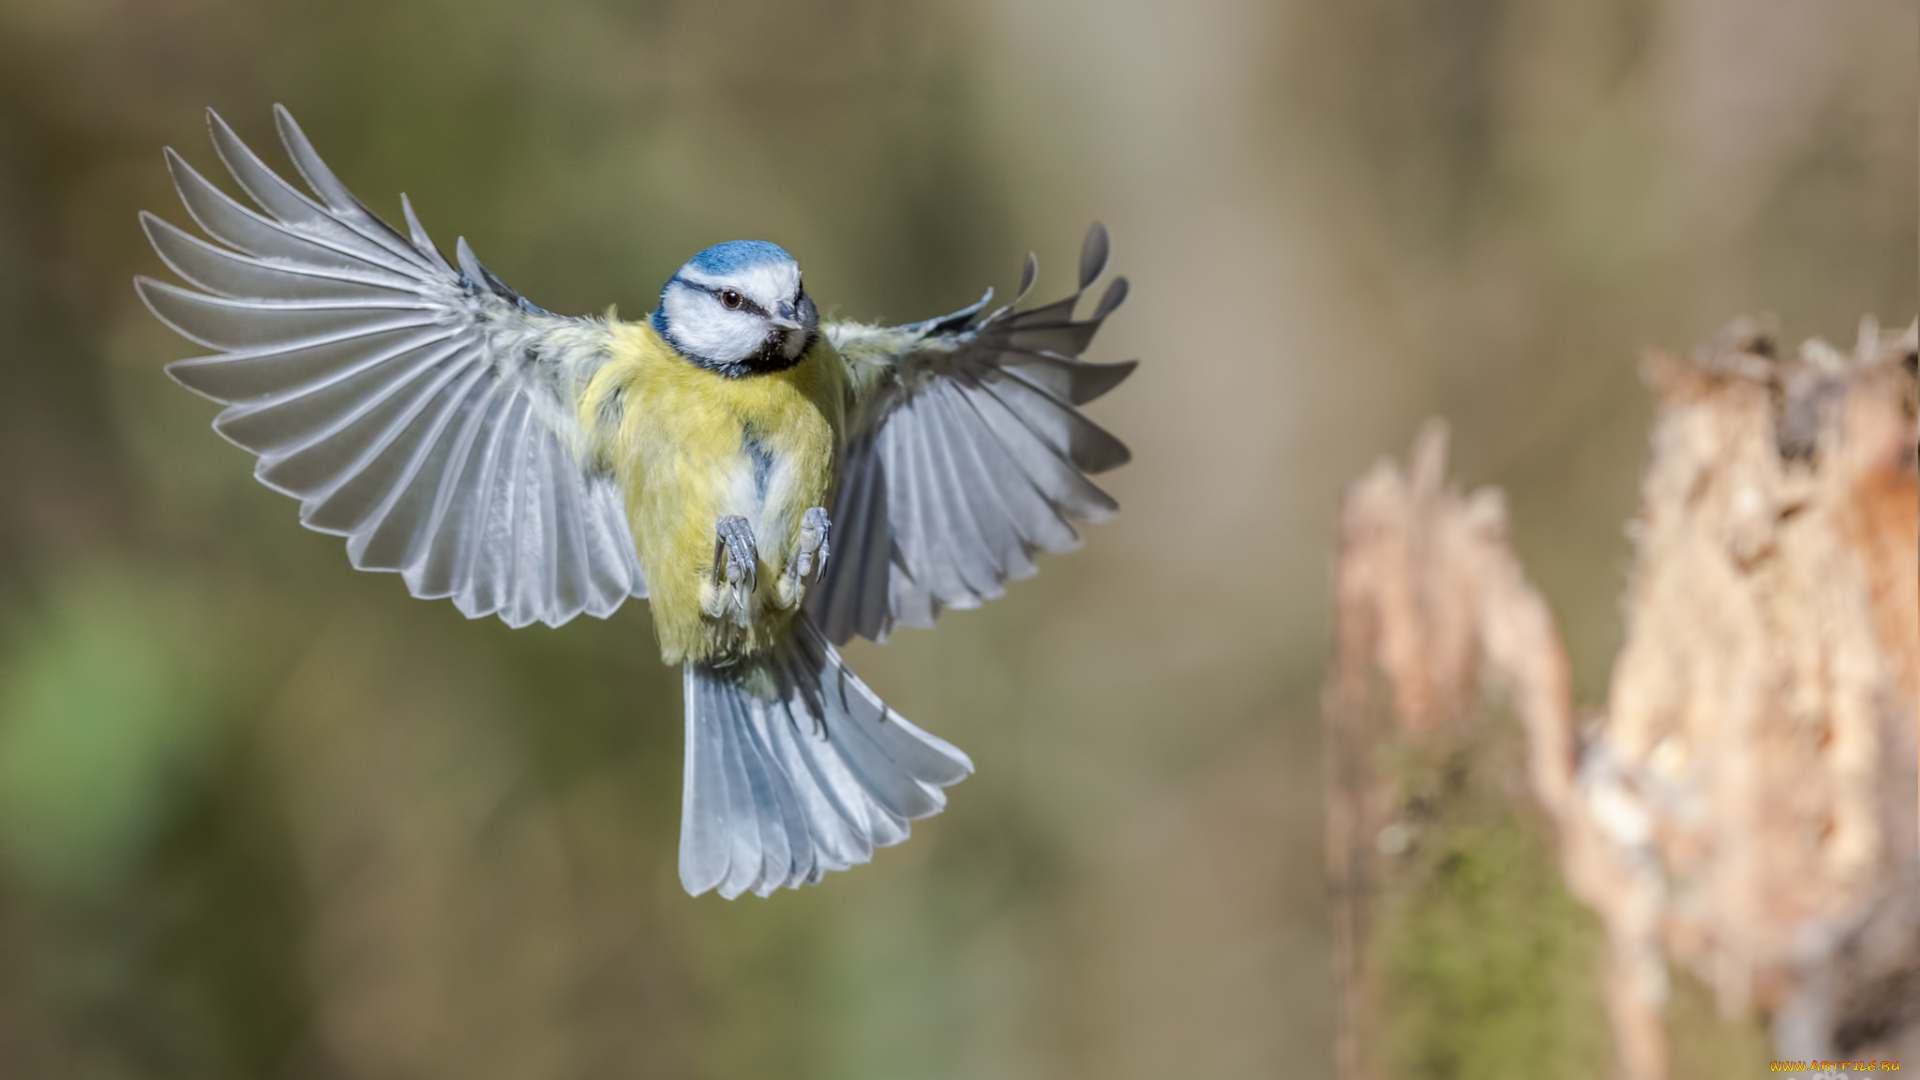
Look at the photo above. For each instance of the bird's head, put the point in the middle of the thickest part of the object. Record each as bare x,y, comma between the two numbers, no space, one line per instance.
738,309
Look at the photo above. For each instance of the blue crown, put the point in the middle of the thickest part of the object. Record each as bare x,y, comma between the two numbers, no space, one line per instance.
736,255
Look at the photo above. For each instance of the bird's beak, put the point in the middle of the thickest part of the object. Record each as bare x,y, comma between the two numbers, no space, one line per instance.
786,318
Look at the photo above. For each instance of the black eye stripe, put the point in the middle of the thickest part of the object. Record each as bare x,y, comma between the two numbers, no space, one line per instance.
746,302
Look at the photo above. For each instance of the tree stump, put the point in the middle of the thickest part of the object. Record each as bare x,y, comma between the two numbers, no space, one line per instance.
1745,804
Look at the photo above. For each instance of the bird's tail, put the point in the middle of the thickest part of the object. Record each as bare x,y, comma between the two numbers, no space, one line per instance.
795,768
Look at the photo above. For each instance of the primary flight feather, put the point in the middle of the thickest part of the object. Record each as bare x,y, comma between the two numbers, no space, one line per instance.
773,485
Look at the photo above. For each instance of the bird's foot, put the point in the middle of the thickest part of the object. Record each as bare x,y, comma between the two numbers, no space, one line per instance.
735,560
809,558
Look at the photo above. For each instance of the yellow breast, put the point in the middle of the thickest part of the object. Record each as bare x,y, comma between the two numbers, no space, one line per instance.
690,446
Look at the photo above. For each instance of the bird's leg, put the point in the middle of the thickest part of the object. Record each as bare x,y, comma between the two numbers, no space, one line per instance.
734,570
809,557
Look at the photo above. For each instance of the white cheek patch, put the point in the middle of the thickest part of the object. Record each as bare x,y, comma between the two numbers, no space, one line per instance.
702,327
768,284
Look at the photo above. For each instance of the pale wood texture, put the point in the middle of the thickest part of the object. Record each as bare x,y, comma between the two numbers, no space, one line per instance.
1744,807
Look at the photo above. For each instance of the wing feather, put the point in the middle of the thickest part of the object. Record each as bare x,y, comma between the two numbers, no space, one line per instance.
259,378
397,531
973,573
973,455
226,220
458,511
284,425
364,490
233,325
1003,553
392,394
856,574
227,273
344,204
314,469
1076,441
288,205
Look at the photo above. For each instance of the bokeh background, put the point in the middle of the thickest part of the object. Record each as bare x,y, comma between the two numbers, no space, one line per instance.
261,816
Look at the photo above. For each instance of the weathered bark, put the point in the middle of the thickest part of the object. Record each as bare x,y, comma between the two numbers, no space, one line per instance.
1745,807
1433,605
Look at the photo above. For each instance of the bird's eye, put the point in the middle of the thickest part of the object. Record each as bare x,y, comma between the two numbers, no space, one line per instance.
731,299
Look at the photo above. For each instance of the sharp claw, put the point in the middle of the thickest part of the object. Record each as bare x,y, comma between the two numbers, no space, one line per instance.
734,558
817,525
811,557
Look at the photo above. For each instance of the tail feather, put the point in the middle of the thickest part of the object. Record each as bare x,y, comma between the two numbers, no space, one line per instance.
795,768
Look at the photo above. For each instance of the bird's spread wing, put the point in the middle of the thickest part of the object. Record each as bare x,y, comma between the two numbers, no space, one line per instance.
422,411
967,455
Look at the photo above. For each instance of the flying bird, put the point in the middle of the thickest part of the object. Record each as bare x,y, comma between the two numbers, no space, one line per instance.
772,484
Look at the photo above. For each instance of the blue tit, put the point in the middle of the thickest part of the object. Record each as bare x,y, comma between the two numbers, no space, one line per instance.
773,484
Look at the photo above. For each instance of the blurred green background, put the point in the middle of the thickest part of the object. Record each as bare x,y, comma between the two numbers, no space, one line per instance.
262,816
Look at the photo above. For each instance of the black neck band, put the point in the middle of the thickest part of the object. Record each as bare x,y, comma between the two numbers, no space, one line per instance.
770,359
